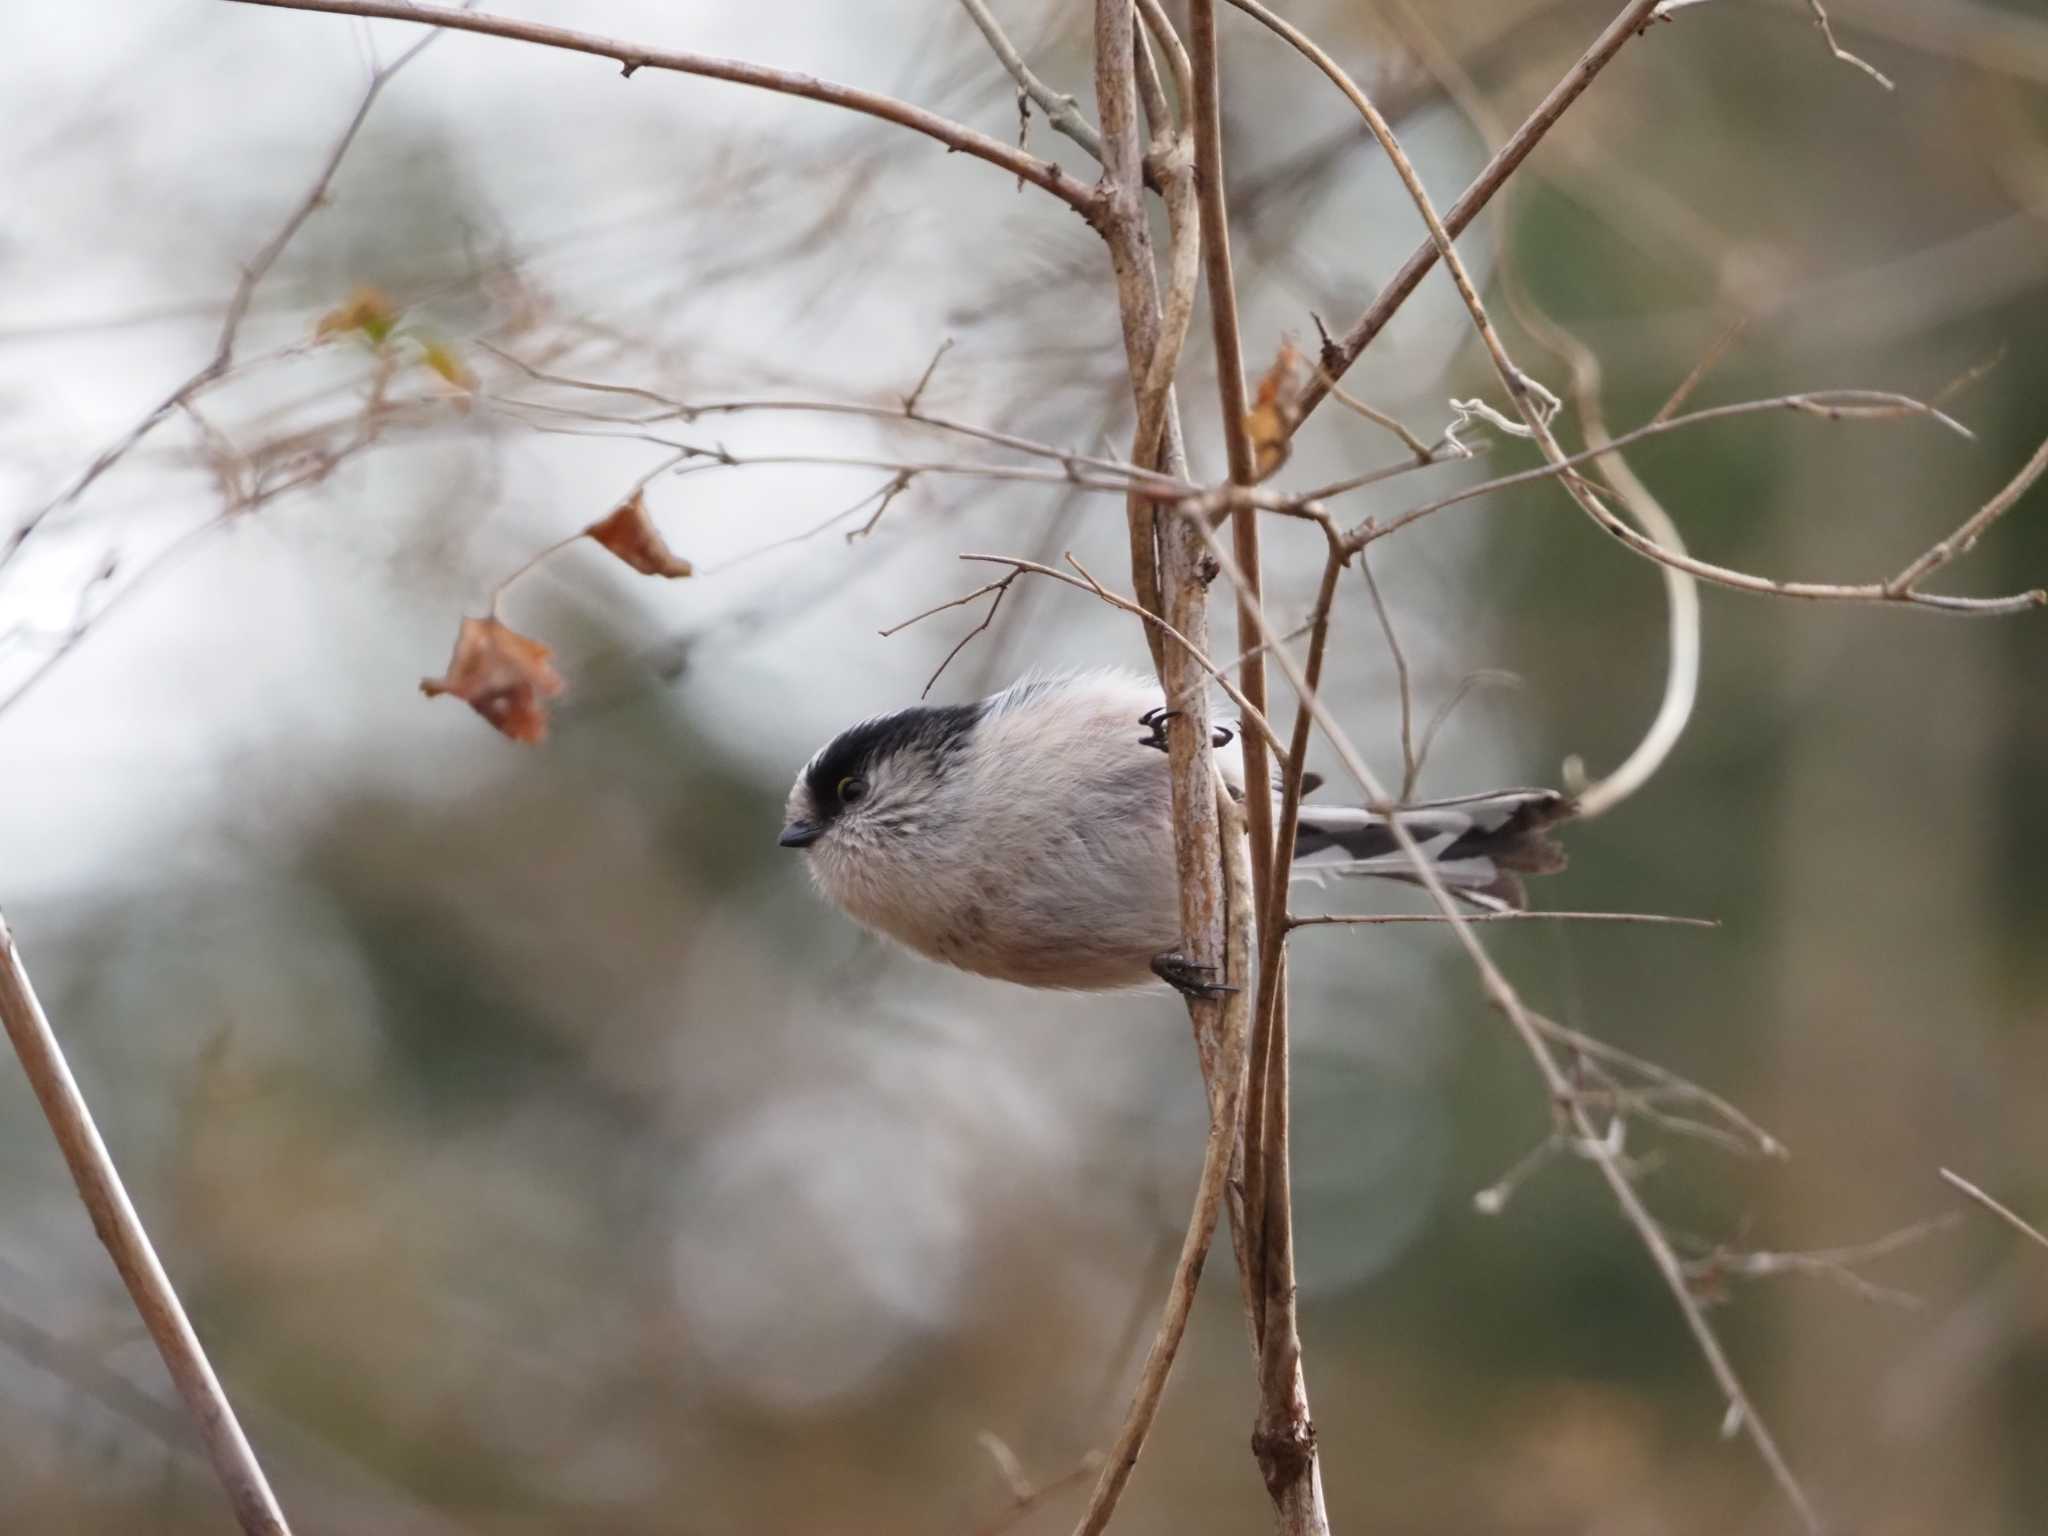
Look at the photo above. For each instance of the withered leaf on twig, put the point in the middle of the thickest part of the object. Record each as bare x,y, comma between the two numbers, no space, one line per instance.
629,533
444,360
368,310
503,675
1276,410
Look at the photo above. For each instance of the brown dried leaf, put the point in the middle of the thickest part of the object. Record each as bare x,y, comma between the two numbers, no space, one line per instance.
503,675
630,534
368,310
1276,410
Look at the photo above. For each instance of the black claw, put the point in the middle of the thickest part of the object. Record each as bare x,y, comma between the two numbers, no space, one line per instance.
1154,721
1187,978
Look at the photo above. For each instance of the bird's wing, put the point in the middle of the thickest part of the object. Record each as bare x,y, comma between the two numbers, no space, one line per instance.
1478,844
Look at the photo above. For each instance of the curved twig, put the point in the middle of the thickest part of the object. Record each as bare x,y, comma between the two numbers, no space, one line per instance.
631,57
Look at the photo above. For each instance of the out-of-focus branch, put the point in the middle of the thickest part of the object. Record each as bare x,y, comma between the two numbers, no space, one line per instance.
1827,32
1960,542
689,411
1254,721
2004,1213
120,1229
1063,112
1827,404
1590,1137
631,57
253,274
1999,41
1386,919
1340,354
1681,590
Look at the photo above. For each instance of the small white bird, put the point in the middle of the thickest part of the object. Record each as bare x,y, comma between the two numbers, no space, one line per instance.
1029,837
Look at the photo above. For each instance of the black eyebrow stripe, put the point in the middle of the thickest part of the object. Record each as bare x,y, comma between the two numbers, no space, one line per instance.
941,729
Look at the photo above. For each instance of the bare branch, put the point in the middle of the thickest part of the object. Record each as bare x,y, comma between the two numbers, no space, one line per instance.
252,277
127,1243
1026,1497
1063,112
1254,720
1827,32
2004,1213
908,411
1825,404
1340,355
1562,1090
631,57
1964,538
1424,454
1411,761
1382,919
1722,1262
1682,598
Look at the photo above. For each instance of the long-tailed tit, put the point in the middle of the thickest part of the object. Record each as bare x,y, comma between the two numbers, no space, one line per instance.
1029,837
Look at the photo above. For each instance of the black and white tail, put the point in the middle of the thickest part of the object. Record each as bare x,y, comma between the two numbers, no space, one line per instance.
1479,844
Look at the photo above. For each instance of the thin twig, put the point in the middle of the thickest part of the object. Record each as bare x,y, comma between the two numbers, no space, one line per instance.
1824,404
631,57
1964,538
127,1243
2004,1213
1002,590
1254,720
1501,992
1379,919
1827,32
909,410
1063,112
253,274
1424,454
1721,1262
1025,1495
1466,685
1340,355
1411,762
1682,598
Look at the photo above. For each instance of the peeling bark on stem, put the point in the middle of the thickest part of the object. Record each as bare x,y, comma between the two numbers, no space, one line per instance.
1283,1435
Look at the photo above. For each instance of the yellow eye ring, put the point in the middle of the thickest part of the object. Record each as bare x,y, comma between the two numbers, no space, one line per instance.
850,789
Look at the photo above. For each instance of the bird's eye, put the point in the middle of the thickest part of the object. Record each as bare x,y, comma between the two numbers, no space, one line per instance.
852,789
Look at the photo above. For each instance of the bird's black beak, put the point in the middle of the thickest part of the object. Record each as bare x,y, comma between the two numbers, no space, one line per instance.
800,834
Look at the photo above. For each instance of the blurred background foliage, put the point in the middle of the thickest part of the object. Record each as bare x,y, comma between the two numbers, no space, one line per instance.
536,1154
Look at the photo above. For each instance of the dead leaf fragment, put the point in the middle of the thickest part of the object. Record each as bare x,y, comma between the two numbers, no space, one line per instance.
1276,410
442,359
629,533
368,310
503,675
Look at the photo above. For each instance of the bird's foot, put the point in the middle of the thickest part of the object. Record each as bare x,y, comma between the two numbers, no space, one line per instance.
1154,721
1188,978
